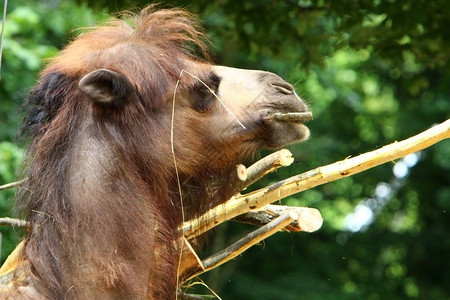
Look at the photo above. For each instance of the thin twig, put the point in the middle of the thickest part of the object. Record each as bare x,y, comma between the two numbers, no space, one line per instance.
244,243
190,262
12,184
13,222
200,282
185,296
262,167
309,219
302,219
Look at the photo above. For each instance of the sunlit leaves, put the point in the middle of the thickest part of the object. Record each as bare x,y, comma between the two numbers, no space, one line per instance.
33,33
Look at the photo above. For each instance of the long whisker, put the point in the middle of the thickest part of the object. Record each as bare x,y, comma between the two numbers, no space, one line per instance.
297,82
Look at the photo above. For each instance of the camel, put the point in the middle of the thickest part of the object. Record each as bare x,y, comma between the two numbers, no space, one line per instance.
131,129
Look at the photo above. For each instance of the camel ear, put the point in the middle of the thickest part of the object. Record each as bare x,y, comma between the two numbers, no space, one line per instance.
104,86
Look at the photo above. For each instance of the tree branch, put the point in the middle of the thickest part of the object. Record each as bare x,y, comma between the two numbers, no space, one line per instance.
262,167
309,219
242,245
270,218
11,185
13,222
243,203
185,296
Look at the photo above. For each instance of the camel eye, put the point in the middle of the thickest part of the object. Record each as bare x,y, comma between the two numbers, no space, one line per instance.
203,96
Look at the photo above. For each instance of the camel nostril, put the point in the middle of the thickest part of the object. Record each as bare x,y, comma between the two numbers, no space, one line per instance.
283,87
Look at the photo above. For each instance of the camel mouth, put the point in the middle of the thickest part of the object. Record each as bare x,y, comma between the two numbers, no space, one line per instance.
282,127
288,110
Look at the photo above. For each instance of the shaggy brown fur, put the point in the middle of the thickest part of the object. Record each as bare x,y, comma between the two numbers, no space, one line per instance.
101,194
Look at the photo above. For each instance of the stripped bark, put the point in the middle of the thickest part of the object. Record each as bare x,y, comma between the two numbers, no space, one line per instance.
305,219
262,167
11,185
241,204
13,222
242,245
309,219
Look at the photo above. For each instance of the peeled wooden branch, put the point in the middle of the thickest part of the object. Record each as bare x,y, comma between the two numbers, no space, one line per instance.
243,244
249,240
238,177
241,172
11,185
257,199
301,219
13,222
13,260
185,296
309,219
262,167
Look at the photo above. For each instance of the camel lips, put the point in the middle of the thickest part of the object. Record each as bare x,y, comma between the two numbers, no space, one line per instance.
291,117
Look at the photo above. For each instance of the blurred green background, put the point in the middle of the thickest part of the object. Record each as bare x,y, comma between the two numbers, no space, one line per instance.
372,72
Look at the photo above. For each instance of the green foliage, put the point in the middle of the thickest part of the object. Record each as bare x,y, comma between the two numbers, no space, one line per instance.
33,33
10,159
372,72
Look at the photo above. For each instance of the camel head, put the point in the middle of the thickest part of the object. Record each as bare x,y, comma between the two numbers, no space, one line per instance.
220,113
123,120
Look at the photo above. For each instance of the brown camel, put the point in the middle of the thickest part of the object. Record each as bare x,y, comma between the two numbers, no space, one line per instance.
111,122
